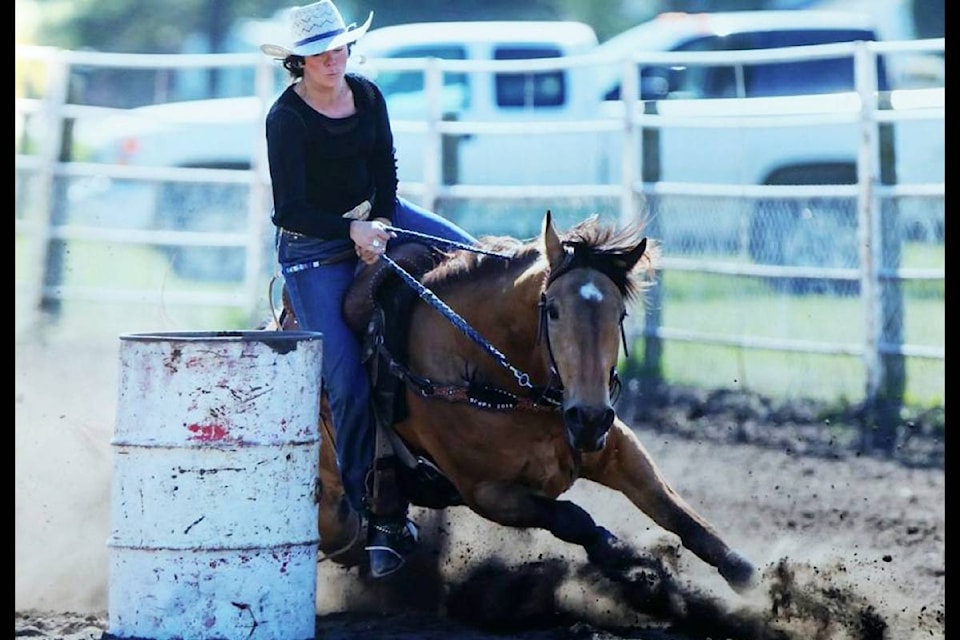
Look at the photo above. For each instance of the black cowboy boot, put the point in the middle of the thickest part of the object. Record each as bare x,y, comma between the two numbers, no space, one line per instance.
390,535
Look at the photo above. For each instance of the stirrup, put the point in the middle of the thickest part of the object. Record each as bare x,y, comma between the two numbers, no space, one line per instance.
389,541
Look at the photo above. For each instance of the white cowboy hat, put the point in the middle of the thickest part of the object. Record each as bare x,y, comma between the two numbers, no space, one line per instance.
315,28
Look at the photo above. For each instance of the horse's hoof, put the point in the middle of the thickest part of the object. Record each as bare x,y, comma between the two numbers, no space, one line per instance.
739,573
606,551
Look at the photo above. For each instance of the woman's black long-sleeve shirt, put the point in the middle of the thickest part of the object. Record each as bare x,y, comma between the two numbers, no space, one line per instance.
322,167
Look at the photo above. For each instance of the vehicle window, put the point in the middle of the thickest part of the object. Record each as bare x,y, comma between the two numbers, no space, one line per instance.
702,81
791,78
547,89
391,82
687,81
828,75
756,80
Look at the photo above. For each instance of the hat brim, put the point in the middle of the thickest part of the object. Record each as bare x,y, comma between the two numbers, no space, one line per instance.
313,48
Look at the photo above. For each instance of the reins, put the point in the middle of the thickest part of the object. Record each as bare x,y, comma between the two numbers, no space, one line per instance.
549,395
522,378
446,243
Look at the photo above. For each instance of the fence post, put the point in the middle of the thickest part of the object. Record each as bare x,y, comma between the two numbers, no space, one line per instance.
433,142
260,198
879,250
639,159
650,173
54,99
632,143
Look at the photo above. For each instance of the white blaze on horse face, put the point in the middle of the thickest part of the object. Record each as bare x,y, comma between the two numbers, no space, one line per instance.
589,291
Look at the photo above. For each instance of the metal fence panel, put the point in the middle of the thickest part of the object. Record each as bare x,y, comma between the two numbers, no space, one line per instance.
792,289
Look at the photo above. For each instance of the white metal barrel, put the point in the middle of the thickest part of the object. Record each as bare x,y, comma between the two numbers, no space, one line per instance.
215,473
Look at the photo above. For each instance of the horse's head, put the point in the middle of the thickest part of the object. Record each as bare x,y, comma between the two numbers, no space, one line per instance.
583,305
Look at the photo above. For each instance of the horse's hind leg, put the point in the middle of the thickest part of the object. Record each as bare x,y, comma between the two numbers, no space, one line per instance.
625,465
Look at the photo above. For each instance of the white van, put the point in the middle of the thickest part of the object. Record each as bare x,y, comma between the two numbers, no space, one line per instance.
489,158
224,132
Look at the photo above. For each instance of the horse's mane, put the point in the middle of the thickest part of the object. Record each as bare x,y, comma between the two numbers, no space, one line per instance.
592,243
466,265
602,246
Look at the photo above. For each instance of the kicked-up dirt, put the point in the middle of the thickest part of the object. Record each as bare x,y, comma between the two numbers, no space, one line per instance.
851,544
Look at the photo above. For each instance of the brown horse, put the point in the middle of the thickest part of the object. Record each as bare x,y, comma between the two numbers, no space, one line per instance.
513,420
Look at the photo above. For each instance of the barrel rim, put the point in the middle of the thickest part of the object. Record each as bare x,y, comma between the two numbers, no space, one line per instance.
252,335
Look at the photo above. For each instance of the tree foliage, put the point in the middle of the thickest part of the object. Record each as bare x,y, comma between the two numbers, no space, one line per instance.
134,26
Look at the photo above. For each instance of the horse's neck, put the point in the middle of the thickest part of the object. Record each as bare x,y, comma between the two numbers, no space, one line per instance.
501,312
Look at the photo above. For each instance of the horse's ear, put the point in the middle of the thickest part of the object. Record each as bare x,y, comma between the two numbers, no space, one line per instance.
551,242
632,257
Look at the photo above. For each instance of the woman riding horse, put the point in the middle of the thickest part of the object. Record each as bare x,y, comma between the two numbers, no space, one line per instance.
539,331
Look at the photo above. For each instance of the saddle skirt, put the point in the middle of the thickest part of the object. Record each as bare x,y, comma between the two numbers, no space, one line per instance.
373,282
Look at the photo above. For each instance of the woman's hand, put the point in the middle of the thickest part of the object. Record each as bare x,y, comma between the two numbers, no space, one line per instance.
369,239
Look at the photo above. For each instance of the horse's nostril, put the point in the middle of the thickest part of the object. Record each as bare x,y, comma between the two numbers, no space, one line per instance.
574,418
608,415
588,425
598,420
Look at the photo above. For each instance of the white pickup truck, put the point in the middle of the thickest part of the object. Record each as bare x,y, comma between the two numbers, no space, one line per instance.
818,146
224,132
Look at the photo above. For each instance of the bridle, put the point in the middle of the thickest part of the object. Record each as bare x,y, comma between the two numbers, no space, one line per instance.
571,260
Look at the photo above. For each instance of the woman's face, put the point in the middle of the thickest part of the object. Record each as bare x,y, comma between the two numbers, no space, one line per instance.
327,67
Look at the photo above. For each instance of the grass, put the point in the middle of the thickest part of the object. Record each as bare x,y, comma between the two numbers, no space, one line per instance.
133,268
726,306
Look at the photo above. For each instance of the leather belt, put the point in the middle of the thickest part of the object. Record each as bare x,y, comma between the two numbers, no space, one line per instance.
343,256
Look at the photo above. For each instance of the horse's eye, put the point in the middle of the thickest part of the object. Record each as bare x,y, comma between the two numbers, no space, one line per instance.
552,312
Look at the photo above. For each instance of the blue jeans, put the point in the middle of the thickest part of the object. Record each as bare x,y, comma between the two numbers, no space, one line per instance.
316,294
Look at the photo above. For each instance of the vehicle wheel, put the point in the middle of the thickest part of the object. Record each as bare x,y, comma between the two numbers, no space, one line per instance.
817,232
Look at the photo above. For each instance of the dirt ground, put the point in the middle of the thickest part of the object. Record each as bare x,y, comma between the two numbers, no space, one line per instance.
852,546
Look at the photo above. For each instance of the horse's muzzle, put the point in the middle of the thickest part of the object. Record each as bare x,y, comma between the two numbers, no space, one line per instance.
587,427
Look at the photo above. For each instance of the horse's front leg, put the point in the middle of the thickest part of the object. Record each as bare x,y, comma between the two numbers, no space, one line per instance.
625,465
517,506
